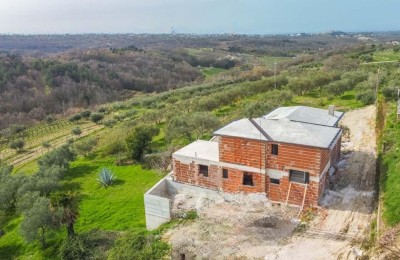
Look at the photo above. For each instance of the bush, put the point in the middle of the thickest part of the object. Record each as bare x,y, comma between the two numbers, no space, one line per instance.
106,177
110,123
76,131
73,248
49,119
17,144
86,114
159,161
367,96
96,117
101,110
60,156
139,246
85,146
390,92
139,141
75,118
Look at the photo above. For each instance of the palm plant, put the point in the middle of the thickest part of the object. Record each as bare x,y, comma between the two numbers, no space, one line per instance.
65,205
106,177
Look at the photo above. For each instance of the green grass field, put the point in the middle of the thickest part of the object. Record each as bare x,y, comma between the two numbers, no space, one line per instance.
387,55
343,103
117,208
28,168
209,72
390,173
269,61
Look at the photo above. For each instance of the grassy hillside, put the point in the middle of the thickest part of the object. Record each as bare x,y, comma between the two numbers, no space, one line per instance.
180,116
390,175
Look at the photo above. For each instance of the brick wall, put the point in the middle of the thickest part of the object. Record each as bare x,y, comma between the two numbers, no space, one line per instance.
279,192
189,173
253,153
295,157
242,151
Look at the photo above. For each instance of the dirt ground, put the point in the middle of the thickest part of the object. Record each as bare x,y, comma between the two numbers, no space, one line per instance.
255,229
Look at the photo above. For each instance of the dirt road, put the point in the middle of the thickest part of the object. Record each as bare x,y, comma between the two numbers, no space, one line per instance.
258,230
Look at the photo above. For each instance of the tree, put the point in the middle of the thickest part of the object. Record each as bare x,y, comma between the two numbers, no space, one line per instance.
49,119
76,131
46,145
341,63
48,179
60,156
153,116
86,114
139,140
202,123
9,185
75,118
96,117
179,127
66,204
37,220
3,221
17,145
85,146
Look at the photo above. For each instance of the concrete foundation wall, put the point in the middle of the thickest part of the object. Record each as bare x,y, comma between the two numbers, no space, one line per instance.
157,205
157,201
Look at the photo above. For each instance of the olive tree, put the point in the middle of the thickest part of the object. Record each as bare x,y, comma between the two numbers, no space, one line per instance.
85,146
17,145
37,220
139,140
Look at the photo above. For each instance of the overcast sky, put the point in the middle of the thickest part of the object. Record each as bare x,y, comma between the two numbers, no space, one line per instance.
197,16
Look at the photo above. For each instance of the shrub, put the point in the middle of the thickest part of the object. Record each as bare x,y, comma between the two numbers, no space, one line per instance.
49,119
139,140
367,96
101,110
96,117
86,114
85,146
60,156
76,131
75,118
73,248
46,145
390,92
139,246
110,123
106,177
17,144
159,161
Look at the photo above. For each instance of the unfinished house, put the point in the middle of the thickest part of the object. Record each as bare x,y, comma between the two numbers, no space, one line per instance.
286,154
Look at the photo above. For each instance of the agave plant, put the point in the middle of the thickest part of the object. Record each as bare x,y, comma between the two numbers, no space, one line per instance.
106,177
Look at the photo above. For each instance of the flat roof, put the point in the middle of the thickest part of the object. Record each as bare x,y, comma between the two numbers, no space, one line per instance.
305,114
207,150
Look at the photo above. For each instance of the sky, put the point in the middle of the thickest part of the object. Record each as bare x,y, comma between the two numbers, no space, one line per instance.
197,16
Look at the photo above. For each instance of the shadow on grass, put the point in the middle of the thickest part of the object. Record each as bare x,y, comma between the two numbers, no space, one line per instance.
79,171
348,97
91,156
10,251
71,186
118,182
11,226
